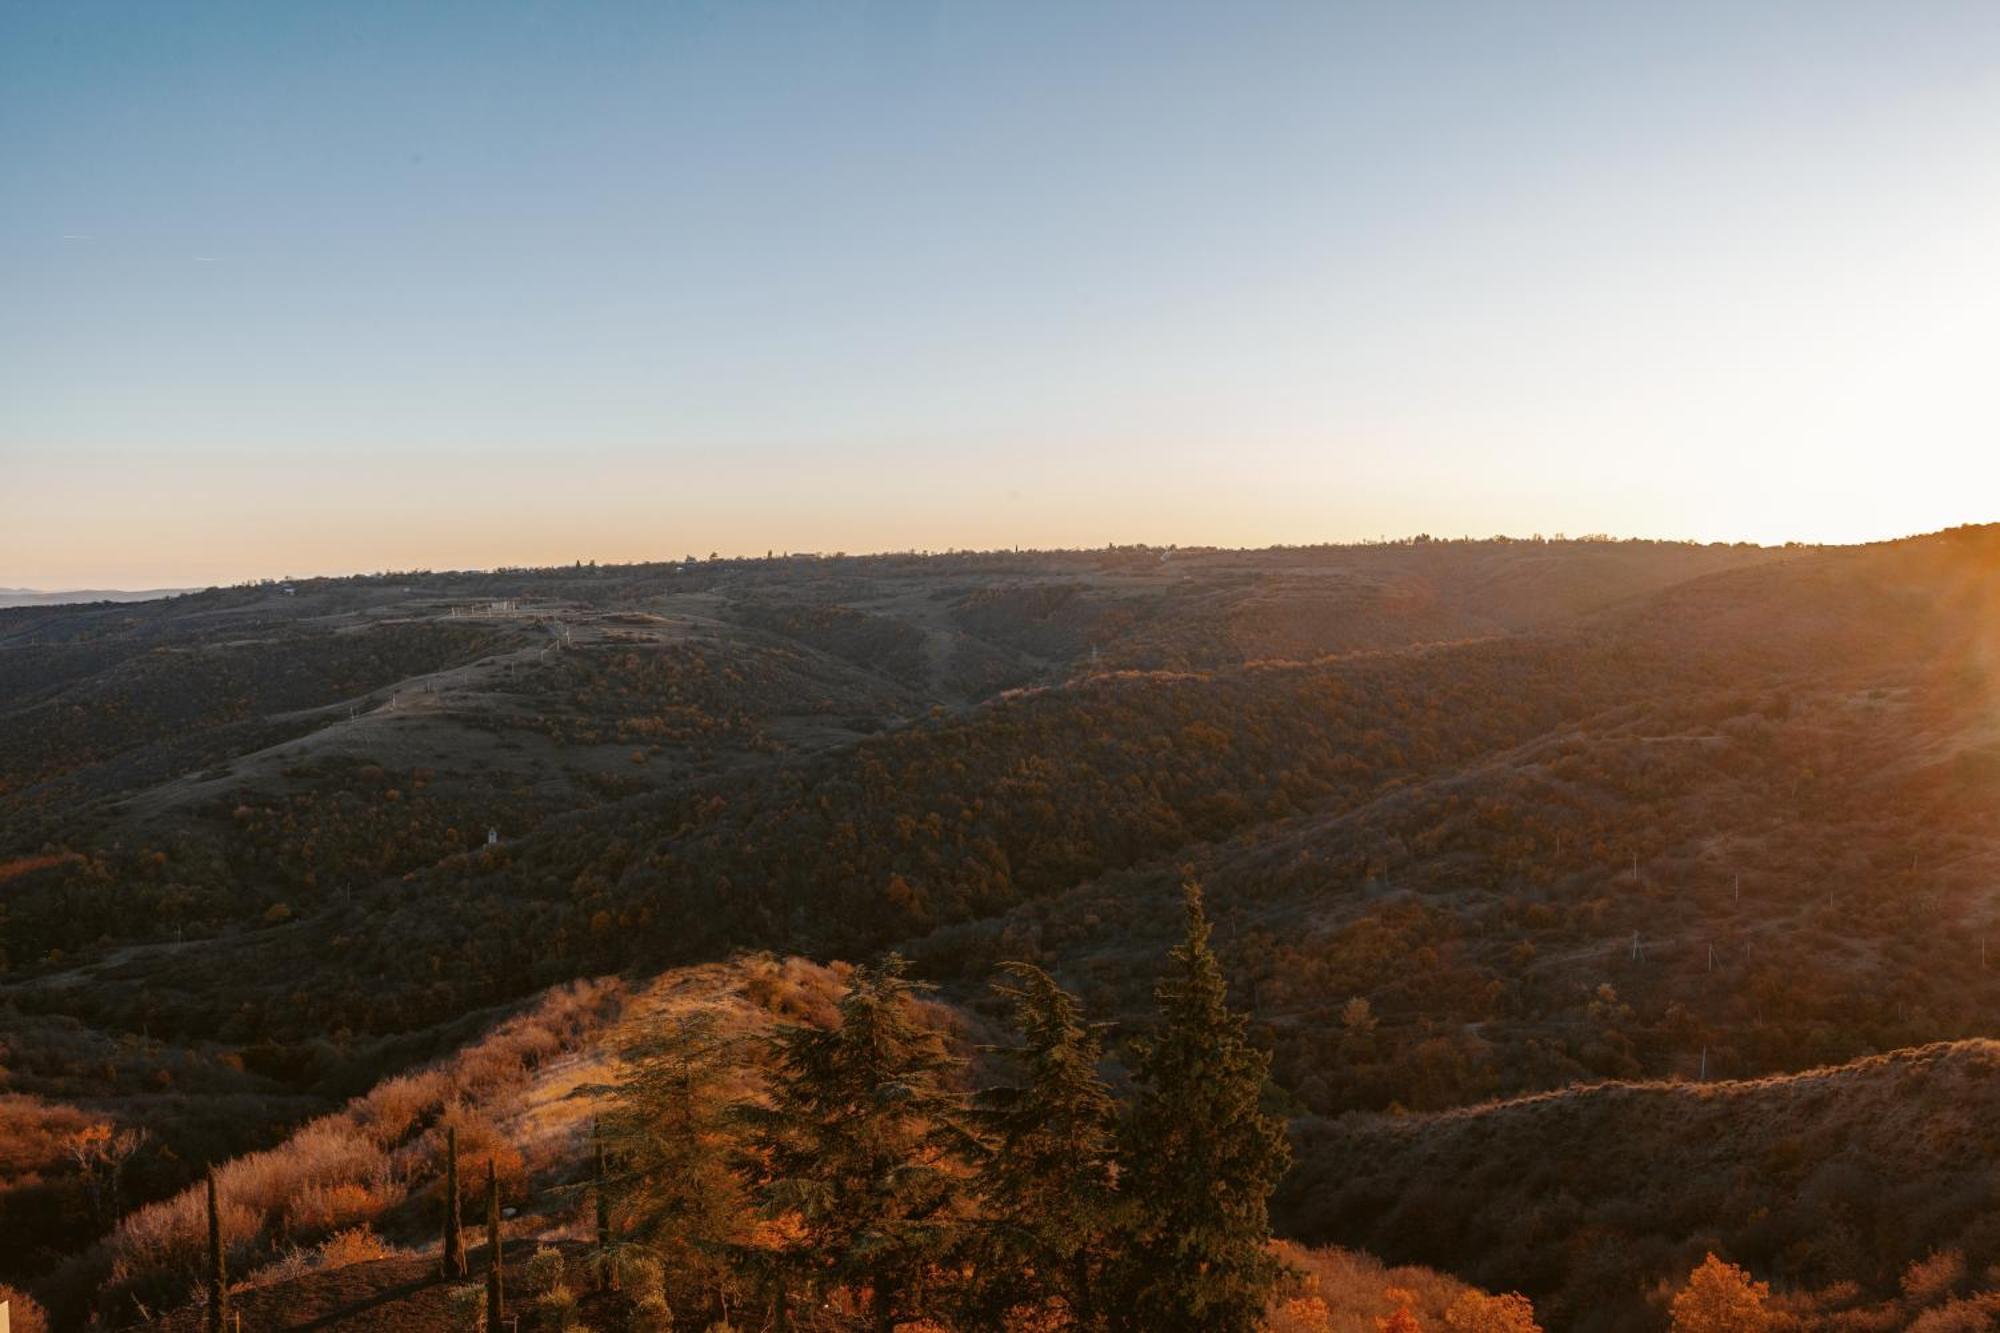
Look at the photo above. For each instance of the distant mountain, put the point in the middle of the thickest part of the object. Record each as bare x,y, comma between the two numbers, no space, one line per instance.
36,597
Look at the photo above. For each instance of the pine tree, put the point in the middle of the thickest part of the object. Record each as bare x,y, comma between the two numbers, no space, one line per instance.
668,1139
1047,1178
454,1219
1200,1159
495,1284
859,1149
218,1268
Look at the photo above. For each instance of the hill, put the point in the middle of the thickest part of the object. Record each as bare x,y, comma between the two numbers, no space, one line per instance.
1831,1182
1475,819
38,597
336,1227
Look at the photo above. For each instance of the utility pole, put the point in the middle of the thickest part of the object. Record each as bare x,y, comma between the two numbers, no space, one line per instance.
454,1234
218,1268
494,1293
607,1271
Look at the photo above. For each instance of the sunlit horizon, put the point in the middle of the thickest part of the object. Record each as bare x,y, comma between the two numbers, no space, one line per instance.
332,290
552,558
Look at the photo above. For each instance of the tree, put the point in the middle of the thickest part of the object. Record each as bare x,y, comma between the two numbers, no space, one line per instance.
454,1221
1477,1312
1200,1158
1047,1179
1402,1319
26,1312
1719,1297
668,1138
218,1266
859,1151
100,1154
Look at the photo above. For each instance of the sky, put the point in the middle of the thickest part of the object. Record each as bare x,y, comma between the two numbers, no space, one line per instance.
320,288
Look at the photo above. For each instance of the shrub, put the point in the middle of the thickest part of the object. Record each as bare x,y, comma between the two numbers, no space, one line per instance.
1970,1316
1932,1279
324,1208
294,1263
1720,1298
27,1314
1341,1291
468,1307
559,1304
1476,1312
356,1245
396,1106
545,1270
644,1279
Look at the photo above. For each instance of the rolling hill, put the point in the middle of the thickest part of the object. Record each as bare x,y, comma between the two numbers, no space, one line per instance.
1475,820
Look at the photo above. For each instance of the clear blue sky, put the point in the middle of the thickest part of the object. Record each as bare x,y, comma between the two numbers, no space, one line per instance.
297,287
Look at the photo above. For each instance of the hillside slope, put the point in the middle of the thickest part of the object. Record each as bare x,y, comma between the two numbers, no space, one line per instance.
336,1227
1588,1197
1758,825
1475,818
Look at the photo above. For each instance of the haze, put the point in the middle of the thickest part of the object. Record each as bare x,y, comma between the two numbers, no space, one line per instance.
325,288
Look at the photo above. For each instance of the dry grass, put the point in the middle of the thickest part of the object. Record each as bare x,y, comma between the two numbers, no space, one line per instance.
377,1157
524,1097
340,1174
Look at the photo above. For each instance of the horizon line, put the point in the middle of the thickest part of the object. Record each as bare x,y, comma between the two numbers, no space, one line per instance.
773,554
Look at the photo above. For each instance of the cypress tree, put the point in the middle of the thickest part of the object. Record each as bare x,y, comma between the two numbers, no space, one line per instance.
1047,1178
1200,1159
494,1290
860,1146
454,1219
218,1269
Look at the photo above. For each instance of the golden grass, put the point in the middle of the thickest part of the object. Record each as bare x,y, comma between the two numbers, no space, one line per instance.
524,1097
339,1174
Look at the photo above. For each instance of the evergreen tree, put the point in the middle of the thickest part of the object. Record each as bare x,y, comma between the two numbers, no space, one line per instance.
858,1152
1200,1159
1047,1176
668,1139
